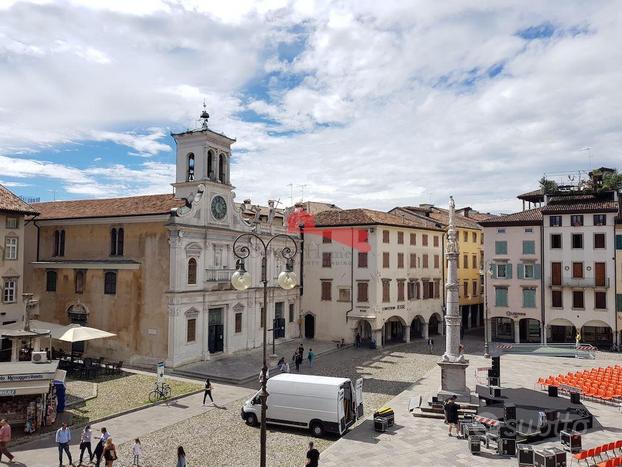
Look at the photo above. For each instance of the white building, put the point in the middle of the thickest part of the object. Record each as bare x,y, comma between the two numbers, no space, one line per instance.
554,266
372,273
513,275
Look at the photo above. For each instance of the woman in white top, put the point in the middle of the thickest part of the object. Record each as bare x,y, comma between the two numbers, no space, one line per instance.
85,442
136,451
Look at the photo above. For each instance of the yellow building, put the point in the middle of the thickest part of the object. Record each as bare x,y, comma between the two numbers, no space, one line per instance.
471,243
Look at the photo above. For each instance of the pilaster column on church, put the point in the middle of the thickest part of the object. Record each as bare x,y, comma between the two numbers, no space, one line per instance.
407,334
517,331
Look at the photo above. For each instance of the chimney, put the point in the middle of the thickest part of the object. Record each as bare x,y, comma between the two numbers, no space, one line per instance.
465,211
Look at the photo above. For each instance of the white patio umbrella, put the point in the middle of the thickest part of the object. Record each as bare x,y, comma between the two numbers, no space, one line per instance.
84,333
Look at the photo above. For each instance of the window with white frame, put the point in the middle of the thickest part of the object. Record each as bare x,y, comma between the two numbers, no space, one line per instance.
10,251
12,223
502,270
9,291
528,271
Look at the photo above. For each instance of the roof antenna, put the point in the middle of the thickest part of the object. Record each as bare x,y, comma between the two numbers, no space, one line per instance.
204,116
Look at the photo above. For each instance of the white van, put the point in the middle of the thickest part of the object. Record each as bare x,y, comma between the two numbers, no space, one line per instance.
320,403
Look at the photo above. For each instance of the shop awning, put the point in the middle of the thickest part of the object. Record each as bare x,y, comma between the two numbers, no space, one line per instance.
22,389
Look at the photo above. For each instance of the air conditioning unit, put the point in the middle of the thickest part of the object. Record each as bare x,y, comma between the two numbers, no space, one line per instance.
39,357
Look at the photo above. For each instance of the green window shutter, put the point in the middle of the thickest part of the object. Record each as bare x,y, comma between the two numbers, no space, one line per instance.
501,247
529,298
618,242
509,271
619,302
501,297
529,247
537,271
494,271
520,270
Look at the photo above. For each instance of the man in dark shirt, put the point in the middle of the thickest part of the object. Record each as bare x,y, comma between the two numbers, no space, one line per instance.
313,456
451,414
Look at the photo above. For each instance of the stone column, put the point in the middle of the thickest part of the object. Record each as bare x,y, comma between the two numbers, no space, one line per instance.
424,331
467,324
453,364
407,333
377,334
517,331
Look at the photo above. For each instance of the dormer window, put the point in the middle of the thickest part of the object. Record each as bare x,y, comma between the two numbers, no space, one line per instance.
190,170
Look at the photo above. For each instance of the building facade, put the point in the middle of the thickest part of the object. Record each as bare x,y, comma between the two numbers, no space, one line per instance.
156,270
555,267
470,242
618,274
513,276
12,223
373,274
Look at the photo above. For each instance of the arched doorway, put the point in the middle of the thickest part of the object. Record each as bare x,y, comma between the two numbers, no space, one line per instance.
309,326
78,314
529,330
416,328
597,333
502,329
562,331
394,330
434,325
364,330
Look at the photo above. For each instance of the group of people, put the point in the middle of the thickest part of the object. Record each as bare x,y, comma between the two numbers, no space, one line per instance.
105,447
297,358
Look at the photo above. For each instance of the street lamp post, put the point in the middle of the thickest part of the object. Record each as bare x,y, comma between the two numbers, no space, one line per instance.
487,272
241,280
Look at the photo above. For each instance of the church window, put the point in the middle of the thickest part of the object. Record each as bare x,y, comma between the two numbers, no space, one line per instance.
116,241
210,165
190,174
221,168
192,271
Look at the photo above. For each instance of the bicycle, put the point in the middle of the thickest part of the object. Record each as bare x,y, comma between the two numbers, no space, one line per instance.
161,392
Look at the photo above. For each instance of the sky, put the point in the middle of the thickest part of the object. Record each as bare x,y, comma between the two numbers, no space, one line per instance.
362,104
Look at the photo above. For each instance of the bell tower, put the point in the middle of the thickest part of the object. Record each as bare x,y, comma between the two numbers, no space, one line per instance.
203,157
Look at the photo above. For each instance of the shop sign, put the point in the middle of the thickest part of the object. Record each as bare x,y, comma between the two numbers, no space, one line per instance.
388,308
515,314
29,377
7,392
401,307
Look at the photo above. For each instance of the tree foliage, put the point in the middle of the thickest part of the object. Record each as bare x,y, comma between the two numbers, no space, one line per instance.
548,186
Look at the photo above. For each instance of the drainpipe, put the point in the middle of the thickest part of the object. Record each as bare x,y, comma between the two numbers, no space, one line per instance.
302,258
444,294
542,291
351,273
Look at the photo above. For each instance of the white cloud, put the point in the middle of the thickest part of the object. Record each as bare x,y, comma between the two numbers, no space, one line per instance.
384,103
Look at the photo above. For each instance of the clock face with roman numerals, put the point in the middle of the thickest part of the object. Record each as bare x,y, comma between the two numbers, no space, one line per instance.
219,207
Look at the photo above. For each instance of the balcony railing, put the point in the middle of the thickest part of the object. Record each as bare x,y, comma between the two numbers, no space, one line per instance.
579,282
218,275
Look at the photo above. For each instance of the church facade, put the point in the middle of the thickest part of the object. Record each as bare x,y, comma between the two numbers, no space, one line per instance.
156,270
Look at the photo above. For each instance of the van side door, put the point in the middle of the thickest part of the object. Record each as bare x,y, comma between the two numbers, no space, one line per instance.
358,397
341,412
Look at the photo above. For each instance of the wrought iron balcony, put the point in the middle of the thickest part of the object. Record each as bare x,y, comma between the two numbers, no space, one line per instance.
579,282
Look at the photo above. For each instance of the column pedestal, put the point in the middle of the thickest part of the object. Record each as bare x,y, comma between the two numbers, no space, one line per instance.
453,380
407,333
378,338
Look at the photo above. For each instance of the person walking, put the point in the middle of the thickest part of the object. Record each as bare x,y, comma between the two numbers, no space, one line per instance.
99,449
181,457
301,349
63,438
136,452
110,452
358,340
298,361
313,456
85,442
208,391
5,438
451,414
311,357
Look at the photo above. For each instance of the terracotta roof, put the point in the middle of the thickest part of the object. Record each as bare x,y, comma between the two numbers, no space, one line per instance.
527,217
314,207
535,196
111,207
367,217
441,216
580,203
9,202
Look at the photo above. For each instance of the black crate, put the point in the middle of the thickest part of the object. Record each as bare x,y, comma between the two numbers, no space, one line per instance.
380,424
524,453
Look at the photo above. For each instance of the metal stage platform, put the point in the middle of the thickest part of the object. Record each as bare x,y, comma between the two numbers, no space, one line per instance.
538,415
546,350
